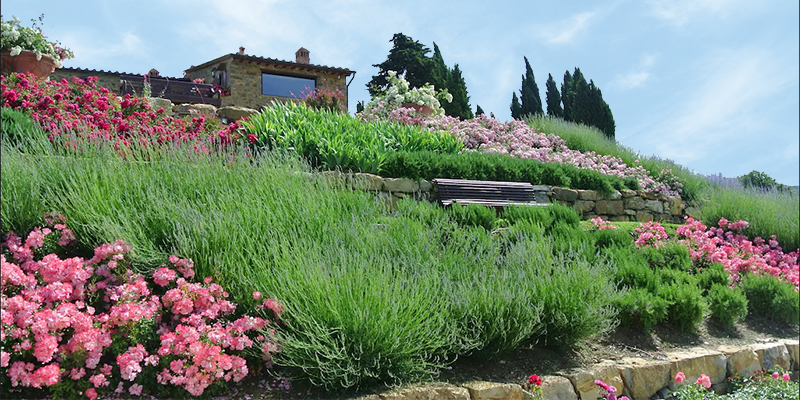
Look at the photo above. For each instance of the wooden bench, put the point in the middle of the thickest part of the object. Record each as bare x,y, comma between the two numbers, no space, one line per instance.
487,193
177,91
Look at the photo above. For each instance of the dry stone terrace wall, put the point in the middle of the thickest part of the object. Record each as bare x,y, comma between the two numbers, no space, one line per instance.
637,378
625,205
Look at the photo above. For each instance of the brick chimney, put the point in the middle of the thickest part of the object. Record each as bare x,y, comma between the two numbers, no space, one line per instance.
241,50
302,56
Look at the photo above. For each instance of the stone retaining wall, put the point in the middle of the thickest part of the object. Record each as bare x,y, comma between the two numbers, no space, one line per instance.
625,205
636,378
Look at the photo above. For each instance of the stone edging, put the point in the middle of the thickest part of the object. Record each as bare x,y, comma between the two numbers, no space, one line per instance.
637,378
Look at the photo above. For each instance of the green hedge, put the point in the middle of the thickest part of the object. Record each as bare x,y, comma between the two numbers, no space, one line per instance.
498,167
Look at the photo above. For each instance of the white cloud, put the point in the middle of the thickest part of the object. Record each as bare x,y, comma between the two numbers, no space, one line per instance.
637,77
679,12
566,30
94,52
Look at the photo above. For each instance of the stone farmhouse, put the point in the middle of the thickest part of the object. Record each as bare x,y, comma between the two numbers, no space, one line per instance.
247,80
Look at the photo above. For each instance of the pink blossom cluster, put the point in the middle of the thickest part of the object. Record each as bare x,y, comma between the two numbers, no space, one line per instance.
74,322
650,234
736,252
81,111
601,224
517,139
609,392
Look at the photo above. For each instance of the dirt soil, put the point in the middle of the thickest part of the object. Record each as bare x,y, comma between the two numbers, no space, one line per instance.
515,367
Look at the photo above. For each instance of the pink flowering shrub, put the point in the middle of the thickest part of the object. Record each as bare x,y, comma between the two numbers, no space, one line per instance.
87,327
601,224
81,111
650,234
608,392
726,245
517,139
325,99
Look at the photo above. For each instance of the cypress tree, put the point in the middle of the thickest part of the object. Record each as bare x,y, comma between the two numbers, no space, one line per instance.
457,87
479,110
553,99
516,108
406,56
567,95
440,74
531,101
359,106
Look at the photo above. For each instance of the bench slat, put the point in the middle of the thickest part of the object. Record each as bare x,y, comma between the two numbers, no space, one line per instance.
488,193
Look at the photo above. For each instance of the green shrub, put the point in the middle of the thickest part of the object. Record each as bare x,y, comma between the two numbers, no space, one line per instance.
727,305
670,256
335,140
641,309
768,297
669,276
612,237
547,216
473,215
495,167
17,127
687,305
715,274
768,213
633,272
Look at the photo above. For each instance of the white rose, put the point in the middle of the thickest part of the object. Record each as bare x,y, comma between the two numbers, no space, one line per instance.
16,50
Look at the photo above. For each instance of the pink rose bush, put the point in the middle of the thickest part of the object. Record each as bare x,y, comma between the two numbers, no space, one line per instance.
650,234
726,245
517,139
600,224
609,392
82,111
94,326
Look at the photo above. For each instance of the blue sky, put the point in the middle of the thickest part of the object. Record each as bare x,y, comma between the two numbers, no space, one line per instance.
711,84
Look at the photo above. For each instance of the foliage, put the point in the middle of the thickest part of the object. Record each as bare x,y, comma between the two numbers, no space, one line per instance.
529,94
760,181
479,110
64,317
335,140
583,103
641,309
400,93
516,108
686,305
457,87
769,213
407,57
326,99
16,38
497,167
554,108
727,305
473,215
762,385
770,298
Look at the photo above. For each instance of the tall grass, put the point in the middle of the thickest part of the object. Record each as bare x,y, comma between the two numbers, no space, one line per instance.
769,212
371,296
587,138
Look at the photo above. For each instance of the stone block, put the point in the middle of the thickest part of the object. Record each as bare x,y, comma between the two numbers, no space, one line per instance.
479,390
772,355
198,109
609,207
587,195
564,194
541,188
696,361
676,206
157,102
581,206
234,113
399,185
627,193
634,203
793,346
557,388
620,218
431,391
647,195
644,378
654,205
368,182
583,380
693,212
425,186
615,195
742,361
542,198
333,177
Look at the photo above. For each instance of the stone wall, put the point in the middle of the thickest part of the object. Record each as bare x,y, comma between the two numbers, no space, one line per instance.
620,206
244,81
637,378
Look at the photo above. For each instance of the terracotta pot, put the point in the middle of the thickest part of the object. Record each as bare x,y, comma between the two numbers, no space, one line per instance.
26,62
423,110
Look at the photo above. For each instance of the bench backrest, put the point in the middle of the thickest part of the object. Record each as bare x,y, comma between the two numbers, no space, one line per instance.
490,193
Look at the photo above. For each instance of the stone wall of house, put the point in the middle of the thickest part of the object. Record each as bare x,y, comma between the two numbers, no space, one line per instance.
244,79
107,80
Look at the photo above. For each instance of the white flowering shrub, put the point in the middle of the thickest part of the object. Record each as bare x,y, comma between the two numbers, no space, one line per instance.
398,93
15,38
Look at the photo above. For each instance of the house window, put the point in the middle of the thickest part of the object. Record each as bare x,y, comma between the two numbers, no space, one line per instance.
286,86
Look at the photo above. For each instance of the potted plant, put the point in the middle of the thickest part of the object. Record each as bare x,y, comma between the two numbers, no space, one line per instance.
28,50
